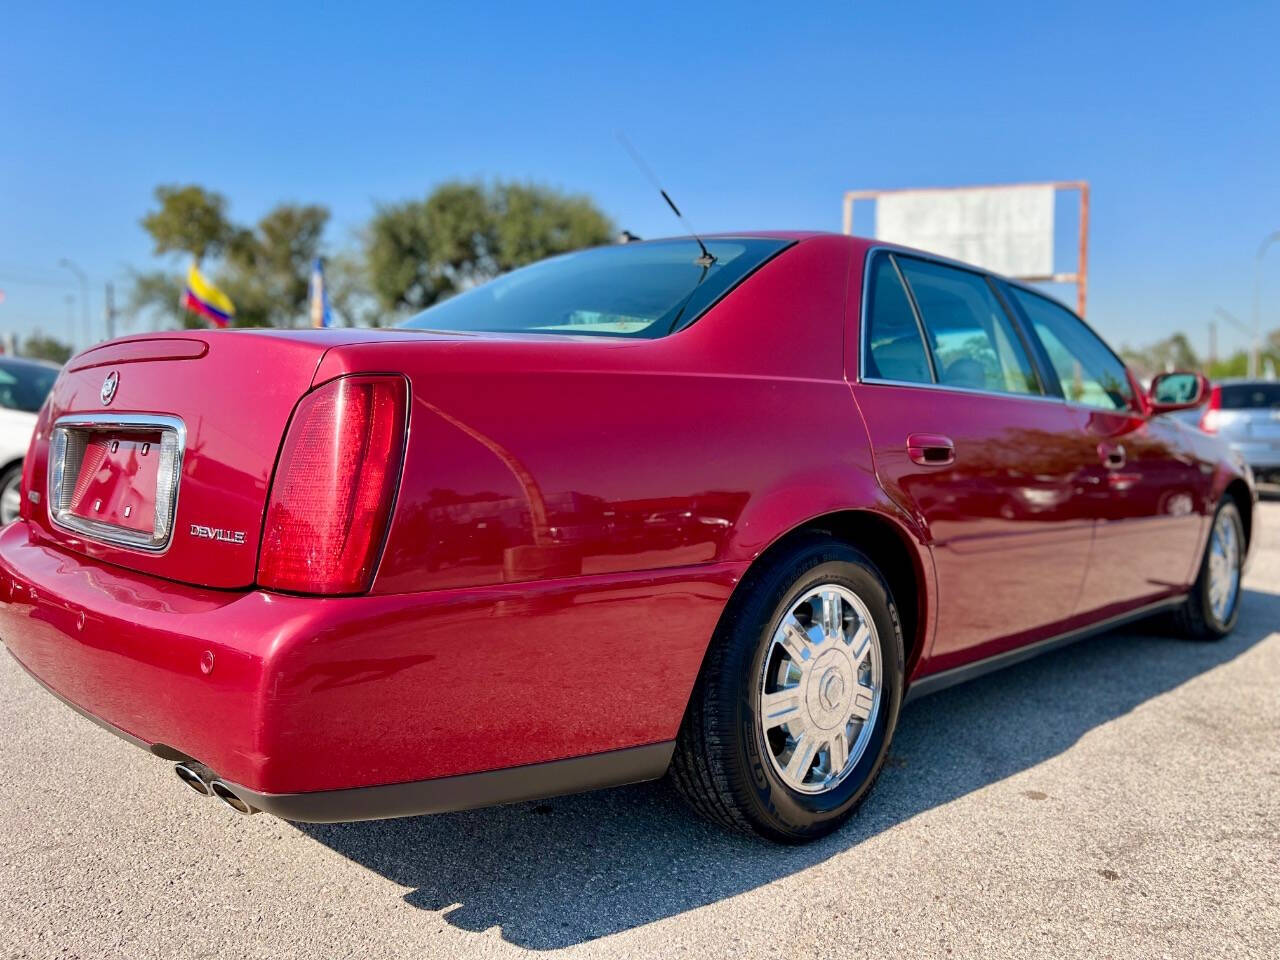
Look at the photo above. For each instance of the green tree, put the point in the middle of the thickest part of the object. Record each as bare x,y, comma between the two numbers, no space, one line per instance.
1172,353
534,222
267,270
351,302
419,252
156,294
40,347
190,219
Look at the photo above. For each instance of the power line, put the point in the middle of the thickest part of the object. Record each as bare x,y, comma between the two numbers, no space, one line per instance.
29,281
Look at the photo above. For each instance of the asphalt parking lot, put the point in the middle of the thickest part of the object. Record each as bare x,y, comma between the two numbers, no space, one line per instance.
1120,798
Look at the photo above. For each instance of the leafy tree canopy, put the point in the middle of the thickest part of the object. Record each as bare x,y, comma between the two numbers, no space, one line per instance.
419,252
268,269
190,220
1172,353
414,254
40,347
264,269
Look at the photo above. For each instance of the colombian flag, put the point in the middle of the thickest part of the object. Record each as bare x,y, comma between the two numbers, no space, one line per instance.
203,298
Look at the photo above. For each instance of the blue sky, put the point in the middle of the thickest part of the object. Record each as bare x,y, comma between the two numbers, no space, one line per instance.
755,116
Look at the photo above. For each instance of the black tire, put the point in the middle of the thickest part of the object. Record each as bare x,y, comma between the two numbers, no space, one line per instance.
718,765
9,478
1195,619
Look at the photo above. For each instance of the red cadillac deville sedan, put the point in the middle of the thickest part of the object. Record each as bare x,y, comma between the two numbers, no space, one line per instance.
634,510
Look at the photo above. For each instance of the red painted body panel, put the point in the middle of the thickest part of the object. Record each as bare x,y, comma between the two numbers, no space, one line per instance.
235,400
1009,532
1150,513
314,694
573,516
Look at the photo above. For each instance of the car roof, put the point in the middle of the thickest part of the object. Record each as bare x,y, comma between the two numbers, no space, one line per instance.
792,235
6,359
867,243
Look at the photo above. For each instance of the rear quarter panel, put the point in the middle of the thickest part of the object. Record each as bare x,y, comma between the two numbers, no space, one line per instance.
530,460
627,485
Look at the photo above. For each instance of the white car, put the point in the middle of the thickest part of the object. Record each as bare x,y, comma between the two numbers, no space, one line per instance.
23,386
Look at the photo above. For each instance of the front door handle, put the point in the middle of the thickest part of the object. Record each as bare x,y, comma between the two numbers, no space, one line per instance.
931,450
1112,455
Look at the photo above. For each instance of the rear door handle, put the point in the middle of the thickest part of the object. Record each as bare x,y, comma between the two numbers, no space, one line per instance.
931,449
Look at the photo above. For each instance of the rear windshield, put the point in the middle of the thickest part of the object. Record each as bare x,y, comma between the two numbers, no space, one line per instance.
23,386
629,290
1250,396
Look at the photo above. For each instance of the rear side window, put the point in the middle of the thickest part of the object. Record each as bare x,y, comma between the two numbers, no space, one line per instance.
1090,374
975,345
1250,396
895,350
646,290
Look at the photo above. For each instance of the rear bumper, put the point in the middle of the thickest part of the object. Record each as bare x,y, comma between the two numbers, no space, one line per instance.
442,795
310,695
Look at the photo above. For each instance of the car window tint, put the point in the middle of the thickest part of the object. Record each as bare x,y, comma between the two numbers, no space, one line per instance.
1250,396
974,342
23,386
644,290
894,348
1090,374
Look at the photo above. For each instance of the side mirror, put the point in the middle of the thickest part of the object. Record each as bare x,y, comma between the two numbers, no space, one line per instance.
1181,390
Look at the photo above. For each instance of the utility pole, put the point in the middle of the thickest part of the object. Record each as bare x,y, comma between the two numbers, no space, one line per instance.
1256,349
109,311
84,297
1213,342
1239,324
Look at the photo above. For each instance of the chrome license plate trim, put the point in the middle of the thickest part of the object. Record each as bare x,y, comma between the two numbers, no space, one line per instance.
66,449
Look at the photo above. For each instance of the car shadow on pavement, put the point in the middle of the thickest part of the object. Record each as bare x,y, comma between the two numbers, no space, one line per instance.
560,872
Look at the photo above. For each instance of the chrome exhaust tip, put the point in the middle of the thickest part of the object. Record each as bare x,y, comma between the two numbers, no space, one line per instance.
196,776
224,793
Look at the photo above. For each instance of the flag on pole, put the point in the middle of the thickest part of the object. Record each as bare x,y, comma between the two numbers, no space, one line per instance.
320,316
204,299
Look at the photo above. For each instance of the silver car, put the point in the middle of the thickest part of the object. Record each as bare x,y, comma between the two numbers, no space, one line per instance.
1246,413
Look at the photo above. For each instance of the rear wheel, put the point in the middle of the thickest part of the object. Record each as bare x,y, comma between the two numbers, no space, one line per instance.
792,715
10,494
1213,605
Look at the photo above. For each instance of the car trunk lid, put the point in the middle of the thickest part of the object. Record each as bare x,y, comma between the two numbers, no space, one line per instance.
156,453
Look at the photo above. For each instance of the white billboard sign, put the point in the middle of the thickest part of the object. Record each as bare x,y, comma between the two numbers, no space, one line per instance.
1007,229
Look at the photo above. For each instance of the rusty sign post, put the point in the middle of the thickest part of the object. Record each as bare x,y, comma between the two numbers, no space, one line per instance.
1081,275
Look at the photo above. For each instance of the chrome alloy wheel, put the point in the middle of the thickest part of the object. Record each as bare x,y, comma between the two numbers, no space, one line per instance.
11,498
1224,566
821,689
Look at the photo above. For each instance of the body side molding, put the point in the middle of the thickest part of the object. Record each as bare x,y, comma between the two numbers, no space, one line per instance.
934,682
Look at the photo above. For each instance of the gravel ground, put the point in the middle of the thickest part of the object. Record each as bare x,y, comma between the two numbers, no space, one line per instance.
1120,798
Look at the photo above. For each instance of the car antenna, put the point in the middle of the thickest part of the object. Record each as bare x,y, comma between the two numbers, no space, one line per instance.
707,258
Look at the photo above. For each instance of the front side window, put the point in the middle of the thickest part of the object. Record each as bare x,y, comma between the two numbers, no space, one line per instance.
1090,374
974,342
644,290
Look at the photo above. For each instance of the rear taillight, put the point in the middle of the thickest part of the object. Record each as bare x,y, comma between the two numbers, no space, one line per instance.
334,486
1209,419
